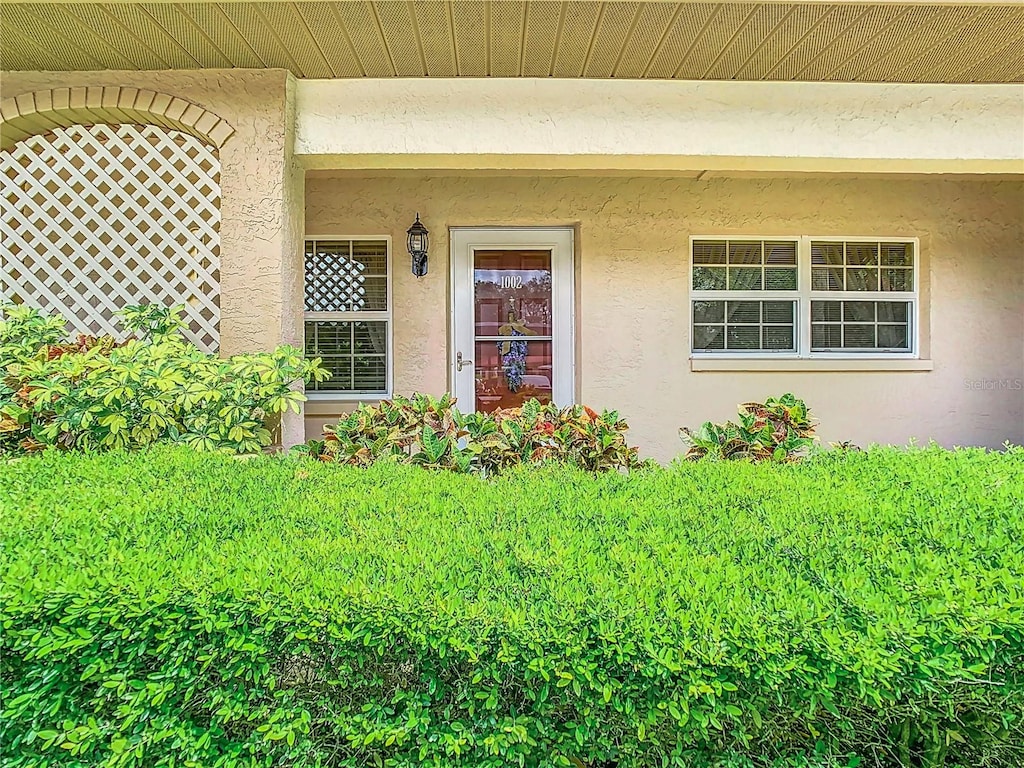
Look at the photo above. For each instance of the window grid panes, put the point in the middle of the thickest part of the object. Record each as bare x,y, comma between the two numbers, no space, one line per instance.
862,266
803,296
744,265
346,275
852,325
744,325
348,314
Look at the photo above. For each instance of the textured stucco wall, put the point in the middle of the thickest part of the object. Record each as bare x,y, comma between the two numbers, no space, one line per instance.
633,331
261,189
666,126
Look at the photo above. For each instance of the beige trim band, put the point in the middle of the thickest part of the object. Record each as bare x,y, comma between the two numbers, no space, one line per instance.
574,126
698,166
807,365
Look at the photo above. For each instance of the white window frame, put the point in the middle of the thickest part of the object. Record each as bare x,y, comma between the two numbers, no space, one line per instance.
803,296
350,316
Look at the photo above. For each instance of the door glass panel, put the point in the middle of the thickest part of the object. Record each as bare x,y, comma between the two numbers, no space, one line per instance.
512,326
510,372
512,311
511,287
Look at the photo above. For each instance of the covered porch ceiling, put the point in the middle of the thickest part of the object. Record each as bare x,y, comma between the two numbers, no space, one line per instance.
838,41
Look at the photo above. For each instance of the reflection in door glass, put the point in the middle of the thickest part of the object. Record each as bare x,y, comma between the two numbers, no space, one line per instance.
512,327
508,373
514,284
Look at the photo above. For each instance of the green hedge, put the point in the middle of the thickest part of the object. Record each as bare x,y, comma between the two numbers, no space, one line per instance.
172,608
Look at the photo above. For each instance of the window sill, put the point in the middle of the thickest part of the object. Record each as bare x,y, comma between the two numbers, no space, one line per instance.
810,365
331,404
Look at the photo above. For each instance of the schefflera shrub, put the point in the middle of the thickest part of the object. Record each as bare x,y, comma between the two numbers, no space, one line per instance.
95,393
168,607
433,433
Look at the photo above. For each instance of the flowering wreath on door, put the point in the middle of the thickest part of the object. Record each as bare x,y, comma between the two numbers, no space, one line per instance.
513,361
513,353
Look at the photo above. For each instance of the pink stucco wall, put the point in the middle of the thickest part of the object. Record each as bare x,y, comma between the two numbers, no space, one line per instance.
261,193
633,323
632,294
261,189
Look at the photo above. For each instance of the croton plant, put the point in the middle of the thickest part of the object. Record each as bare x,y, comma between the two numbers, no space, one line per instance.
432,432
779,429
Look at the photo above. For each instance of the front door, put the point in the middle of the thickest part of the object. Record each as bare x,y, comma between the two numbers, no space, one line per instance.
512,317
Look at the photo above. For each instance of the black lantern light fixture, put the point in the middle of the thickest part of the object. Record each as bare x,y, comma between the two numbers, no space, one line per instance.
418,242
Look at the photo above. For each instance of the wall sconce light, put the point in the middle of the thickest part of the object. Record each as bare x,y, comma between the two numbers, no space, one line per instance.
418,243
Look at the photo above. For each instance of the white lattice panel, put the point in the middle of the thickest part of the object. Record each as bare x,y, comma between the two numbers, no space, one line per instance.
346,276
98,217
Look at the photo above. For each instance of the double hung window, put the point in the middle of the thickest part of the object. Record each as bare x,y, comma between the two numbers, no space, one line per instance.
348,315
804,296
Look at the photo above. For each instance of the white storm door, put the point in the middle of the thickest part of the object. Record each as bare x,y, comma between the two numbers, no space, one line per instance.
512,317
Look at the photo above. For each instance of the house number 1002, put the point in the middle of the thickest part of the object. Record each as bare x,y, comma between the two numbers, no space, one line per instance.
512,281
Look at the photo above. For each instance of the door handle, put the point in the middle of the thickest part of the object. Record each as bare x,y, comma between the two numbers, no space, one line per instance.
460,363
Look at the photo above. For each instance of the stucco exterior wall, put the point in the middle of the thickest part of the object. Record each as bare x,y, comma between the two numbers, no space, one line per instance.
633,315
632,294
261,188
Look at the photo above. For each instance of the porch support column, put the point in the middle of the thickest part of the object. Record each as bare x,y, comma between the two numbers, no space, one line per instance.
262,225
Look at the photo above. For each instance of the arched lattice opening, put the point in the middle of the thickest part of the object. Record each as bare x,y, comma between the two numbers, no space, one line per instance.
99,216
